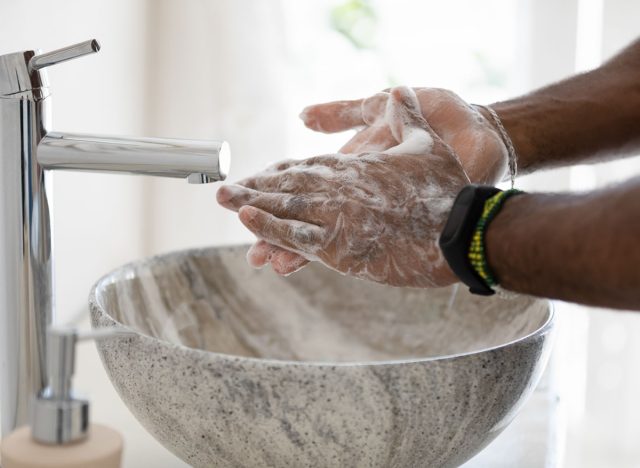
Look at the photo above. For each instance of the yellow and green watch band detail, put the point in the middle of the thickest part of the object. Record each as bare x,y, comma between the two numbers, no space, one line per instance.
477,250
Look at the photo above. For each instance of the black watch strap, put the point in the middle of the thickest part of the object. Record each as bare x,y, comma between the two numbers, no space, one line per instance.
456,235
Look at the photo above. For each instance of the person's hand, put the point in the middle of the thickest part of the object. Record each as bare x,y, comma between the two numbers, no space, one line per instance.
468,130
376,216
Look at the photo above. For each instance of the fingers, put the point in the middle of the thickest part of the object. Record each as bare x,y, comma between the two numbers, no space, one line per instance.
287,206
285,263
261,253
333,117
282,261
232,197
372,139
271,181
296,176
297,236
339,116
282,165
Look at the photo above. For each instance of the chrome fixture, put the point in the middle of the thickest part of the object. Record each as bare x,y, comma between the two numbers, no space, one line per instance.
29,150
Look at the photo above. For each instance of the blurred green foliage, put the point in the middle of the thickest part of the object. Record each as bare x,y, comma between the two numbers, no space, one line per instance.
356,20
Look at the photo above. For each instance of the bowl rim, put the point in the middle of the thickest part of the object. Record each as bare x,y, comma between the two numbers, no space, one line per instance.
117,274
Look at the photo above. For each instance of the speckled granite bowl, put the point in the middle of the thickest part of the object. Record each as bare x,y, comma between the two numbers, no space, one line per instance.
233,367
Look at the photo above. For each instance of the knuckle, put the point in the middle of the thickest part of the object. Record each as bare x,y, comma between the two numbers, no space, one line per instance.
280,165
296,205
304,235
321,160
287,182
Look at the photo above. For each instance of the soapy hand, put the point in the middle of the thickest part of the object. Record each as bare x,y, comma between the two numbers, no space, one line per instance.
466,129
376,216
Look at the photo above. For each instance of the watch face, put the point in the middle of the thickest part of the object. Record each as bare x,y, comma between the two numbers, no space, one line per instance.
458,214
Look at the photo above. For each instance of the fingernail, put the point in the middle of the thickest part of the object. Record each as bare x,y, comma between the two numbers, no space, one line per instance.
306,118
237,191
223,195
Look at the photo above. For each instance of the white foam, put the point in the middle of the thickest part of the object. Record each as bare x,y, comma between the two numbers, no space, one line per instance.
381,221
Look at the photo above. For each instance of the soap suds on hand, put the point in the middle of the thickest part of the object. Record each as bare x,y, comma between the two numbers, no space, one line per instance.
375,216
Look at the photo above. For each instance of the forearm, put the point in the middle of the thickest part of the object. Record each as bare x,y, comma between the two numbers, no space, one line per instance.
575,247
586,118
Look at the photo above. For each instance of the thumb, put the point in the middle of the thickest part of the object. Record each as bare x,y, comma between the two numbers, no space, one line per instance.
407,124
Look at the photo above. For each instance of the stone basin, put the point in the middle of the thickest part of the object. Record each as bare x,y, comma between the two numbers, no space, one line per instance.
235,367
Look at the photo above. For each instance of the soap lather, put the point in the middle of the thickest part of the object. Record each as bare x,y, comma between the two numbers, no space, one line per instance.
60,430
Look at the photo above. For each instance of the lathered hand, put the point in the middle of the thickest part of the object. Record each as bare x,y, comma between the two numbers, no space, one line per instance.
468,131
376,216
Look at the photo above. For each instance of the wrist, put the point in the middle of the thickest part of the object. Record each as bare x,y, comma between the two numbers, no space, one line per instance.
487,163
516,117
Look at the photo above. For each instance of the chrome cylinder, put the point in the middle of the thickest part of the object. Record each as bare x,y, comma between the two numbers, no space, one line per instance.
148,156
28,151
26,263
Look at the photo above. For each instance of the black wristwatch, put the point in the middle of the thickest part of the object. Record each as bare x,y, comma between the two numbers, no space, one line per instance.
456,235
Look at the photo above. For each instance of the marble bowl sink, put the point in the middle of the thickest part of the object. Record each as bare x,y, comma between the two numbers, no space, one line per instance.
234,367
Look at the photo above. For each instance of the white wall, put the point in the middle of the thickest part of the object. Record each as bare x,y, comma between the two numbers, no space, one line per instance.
216,74
96,217
606,432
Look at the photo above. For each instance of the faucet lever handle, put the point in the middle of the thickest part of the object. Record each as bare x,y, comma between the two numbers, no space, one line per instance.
62,55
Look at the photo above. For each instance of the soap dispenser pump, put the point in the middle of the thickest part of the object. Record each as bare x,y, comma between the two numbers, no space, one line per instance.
60,434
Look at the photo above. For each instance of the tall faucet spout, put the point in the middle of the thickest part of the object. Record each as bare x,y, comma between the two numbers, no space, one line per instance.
28,149
196,161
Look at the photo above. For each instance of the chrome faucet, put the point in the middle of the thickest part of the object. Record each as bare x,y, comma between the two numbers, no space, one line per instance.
29,151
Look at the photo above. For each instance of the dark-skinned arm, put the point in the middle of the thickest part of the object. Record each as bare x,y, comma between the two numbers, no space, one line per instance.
589,117
581,248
